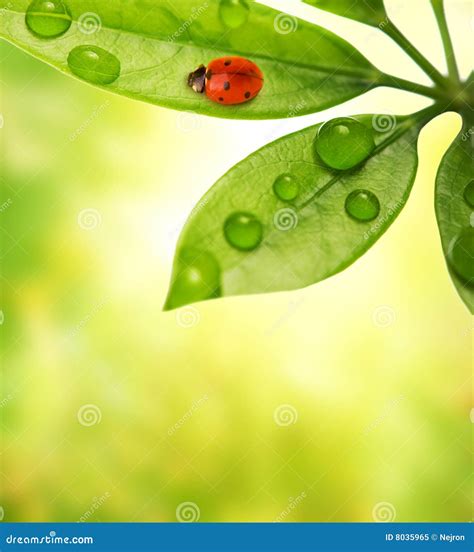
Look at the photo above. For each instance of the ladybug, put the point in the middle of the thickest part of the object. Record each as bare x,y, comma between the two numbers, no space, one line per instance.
228,80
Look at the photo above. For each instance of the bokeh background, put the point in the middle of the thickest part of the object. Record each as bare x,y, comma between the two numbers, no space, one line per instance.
346,401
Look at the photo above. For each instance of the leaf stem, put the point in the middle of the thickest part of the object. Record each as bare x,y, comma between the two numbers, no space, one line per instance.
409,86
438,8
395,34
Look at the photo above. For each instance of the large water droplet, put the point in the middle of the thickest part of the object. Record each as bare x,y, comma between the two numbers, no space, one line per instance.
94,64
197,278
48,18
362,205
343,143
469,194
243,231
286,187
233,13
461,255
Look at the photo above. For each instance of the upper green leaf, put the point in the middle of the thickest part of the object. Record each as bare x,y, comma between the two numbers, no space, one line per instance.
292,220
158,43
454,202
371,12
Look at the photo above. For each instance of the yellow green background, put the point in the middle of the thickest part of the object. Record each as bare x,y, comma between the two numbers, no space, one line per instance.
375,362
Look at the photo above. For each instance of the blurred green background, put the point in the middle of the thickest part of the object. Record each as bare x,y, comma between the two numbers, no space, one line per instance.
346,401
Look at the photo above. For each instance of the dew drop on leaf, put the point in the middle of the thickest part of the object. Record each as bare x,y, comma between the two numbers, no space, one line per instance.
196,278
344,142
461,255
233,13
243,231
362,205
469,194
48,18
94,64
286,187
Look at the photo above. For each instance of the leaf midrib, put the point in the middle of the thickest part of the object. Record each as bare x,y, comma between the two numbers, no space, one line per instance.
403,128
370,75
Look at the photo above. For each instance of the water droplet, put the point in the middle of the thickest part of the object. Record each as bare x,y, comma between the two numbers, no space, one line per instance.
469,194
286,187
343,143
94,64
243,231
48,18
461,255
362,205
233,13
197,278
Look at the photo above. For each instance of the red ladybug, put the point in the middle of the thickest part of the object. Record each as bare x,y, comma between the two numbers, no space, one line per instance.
228,80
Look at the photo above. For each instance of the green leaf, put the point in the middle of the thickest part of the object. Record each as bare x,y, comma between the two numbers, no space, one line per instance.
454,201
305,240
158,43
371,12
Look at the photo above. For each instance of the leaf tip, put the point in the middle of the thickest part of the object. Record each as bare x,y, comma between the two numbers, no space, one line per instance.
196,277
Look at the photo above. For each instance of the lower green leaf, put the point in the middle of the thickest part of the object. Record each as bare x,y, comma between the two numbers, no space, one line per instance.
454,201
282,219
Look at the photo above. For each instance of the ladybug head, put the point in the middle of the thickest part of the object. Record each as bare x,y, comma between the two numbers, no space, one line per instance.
197,79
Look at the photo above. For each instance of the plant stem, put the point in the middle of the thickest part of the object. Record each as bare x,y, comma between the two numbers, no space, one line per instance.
402,84
438,8
394,33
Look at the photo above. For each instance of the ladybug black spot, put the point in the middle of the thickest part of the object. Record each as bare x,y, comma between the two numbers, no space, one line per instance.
221,99
227,62
227,85
247,95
